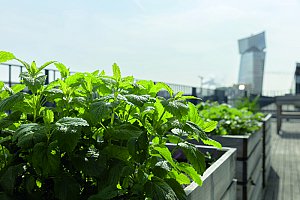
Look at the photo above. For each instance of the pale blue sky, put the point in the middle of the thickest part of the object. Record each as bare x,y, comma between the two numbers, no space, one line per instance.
165,40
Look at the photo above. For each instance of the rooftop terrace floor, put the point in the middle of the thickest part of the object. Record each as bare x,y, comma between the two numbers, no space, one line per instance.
284,179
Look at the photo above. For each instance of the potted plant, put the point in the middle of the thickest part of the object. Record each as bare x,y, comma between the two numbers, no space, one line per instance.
94,136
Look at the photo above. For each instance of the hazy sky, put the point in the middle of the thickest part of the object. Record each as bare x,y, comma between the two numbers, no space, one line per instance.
165,40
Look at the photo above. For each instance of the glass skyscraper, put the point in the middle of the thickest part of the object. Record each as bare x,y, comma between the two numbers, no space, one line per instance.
252,62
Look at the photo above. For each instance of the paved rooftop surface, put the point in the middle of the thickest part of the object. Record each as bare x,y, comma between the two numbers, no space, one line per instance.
284,179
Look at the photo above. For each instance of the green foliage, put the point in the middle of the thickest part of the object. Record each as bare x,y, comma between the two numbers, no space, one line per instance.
104,137
230,120
246,102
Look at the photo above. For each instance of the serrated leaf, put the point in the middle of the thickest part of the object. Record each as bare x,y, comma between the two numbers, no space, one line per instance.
67,137
194,156
116,72
190,171
66,187
158,189
137,100
64,71
6,56
45,159
100,110
123,132
8,103
71,121
8,178
27,135
209,126
176,108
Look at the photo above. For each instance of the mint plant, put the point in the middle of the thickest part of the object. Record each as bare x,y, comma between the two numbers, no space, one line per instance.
230,120
104,137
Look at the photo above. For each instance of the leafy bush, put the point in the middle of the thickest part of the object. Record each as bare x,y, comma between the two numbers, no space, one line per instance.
231,121
103,137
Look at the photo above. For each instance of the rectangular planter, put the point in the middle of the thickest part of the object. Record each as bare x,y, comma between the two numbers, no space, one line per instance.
218,179
266,148
249,160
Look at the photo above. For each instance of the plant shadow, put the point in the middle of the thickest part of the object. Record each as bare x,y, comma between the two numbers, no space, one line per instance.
272,188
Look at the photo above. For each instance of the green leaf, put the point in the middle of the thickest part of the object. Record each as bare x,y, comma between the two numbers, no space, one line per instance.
117,152
48,116
68,132
211,142
8,103
137,100
64,71
160,85
116,72
6,56
100,110
70,121
190,171
28,135
166,154
46,159
1,85
18,87
8,178
177,188
176,108
158,189
209,126
138,147
181,178
194,156
10,119
26,65
66,187
194,116
45,65
123,132
33,83
33,69
107,193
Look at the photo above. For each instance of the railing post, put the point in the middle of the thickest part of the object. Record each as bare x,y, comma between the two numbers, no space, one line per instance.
9,75
47,76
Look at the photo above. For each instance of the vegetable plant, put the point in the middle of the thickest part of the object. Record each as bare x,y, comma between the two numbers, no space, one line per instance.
230,120
95,136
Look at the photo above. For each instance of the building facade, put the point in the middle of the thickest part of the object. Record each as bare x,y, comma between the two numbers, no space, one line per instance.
252,62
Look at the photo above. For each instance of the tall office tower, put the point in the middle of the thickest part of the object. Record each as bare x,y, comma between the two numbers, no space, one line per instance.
252,62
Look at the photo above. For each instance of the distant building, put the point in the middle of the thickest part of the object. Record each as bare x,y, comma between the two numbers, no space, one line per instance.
252,62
